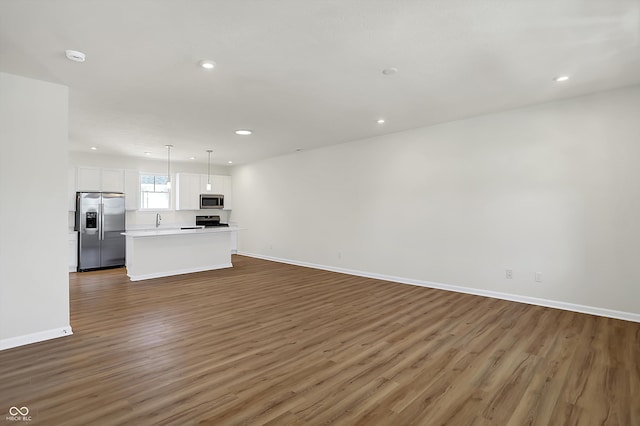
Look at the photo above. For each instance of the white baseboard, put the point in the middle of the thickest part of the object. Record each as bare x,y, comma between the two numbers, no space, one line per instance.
593,310
40,336
177,272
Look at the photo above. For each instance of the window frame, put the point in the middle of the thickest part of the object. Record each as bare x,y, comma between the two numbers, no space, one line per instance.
141,193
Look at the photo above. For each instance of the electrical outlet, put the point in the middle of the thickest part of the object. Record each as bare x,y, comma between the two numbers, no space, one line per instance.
509,274
538,277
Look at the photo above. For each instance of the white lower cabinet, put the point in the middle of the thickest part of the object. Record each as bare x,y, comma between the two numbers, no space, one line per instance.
73,251
234,242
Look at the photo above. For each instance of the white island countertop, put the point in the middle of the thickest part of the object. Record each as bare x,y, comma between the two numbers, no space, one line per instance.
177,231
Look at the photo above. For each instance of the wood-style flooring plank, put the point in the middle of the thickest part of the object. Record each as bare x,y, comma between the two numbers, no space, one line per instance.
275,344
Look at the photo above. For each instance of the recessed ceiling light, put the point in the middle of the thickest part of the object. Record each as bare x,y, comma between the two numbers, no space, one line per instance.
230,162
243,132
381,121
192,158
561,78
207,64
75,56
94,148
390,71
147,153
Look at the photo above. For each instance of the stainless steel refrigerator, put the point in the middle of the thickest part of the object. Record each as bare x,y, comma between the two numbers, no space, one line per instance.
100,218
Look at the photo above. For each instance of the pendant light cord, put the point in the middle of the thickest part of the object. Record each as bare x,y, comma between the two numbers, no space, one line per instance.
169,164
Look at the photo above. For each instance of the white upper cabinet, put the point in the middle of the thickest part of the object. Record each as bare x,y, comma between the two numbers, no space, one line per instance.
187,191
96,179
220,184
203,184
89,179
131,190
217,184
189,186
112,180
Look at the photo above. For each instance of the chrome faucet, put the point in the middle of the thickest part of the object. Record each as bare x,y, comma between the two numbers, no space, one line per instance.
158,219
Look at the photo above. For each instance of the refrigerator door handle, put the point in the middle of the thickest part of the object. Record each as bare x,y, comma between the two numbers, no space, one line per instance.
101,215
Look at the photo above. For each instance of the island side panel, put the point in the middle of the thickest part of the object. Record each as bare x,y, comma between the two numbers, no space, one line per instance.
166,255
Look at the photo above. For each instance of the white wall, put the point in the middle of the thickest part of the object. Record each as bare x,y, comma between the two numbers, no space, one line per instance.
34,282
147,218
553,188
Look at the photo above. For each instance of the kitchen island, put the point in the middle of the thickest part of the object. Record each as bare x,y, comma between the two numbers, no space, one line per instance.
165,252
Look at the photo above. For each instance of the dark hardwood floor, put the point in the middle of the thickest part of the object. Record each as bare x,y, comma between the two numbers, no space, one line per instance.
268,343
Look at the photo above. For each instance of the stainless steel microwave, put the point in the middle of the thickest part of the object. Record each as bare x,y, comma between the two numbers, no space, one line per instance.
211,201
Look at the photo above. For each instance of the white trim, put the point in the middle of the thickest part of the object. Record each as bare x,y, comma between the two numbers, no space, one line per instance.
178,272
593,310
40,336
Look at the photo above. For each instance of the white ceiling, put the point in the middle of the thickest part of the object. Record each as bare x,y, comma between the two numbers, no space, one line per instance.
307,73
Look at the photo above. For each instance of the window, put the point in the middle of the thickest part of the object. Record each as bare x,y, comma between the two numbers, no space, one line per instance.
154,193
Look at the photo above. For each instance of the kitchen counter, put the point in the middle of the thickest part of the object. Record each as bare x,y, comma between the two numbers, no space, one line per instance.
176,231
154,253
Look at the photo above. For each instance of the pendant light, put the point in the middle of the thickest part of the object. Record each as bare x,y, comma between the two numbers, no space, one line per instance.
169,165
209,151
